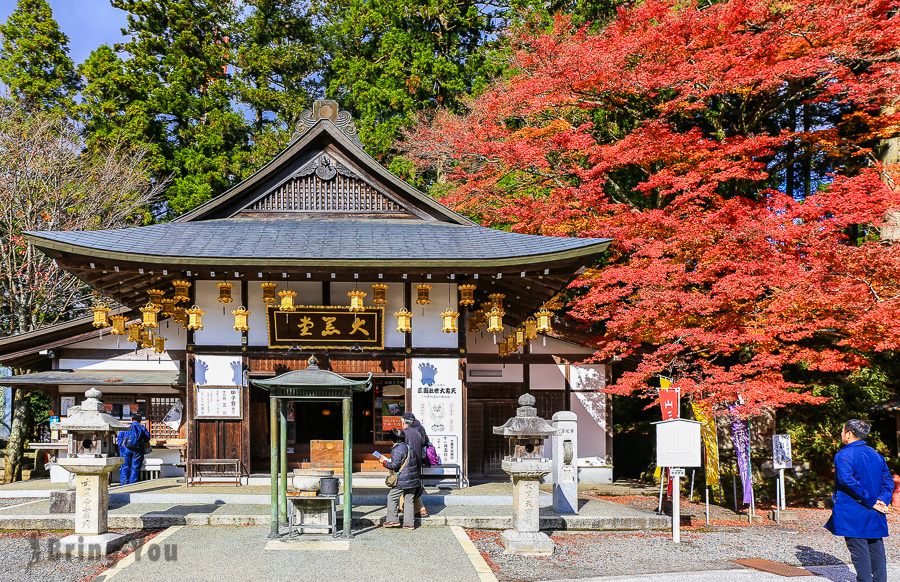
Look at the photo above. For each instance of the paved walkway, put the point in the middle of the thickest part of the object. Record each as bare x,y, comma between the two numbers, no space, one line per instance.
822,573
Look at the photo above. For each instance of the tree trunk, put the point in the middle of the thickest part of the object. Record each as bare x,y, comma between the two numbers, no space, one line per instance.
888,153
18,435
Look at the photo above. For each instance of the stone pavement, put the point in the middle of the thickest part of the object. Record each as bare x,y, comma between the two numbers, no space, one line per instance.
821,574
375,554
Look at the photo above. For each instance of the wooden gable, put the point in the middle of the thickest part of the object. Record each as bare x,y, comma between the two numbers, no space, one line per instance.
323,186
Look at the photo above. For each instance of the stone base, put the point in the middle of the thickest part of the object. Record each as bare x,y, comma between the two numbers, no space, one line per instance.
311,512
62,501
756,518
786,515
526,543
88,546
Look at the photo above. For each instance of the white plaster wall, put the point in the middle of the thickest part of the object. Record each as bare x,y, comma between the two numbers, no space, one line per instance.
590,407
218,370
106,341
547,377
175,334
155,362
308,293
218,329
483,342
426,321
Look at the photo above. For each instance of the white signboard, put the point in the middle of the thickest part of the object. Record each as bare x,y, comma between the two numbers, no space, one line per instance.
65,403
676,472
173,417
437,404
781,451
218,402
678,443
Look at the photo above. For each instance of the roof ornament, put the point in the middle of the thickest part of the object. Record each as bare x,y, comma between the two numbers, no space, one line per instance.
327,109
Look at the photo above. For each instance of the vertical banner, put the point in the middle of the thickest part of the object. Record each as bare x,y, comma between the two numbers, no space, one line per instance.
781,451
710,445
437,404
669,400
740,435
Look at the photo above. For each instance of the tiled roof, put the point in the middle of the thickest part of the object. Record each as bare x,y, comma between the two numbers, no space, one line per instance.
315,239
100,379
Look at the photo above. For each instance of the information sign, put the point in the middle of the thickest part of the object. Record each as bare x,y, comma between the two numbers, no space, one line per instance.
781,451
678,443
218,402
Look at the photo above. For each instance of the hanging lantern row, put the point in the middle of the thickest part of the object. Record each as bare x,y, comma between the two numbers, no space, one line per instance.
356,301
268,289
241,316
225,292
118,324
495,320
194,318
156,296
101,316
466,294
497,300
379,293
167,307
150,312
182,291
134,332
404,320
287,300
422,294
449,318
543,320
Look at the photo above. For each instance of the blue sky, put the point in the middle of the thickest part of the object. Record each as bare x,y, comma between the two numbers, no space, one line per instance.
88,23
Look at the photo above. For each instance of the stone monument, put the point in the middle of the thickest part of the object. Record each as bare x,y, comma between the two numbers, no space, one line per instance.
91,442
526,431
564,446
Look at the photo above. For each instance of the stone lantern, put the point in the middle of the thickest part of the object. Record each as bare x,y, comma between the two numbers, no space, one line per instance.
91,457
526,432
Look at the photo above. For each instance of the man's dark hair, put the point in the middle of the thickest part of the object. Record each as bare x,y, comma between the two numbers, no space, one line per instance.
859,428
136,417
397,436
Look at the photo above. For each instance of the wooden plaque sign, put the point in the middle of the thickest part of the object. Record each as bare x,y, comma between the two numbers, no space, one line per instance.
326,327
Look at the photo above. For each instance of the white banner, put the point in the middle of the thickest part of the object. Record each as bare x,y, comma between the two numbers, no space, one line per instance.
437,403
173,417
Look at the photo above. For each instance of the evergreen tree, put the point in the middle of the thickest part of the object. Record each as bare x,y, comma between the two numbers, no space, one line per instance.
390,59
276,53
34,61
178,61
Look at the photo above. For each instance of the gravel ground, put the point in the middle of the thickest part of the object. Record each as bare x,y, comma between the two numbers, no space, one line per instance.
26,557
703,547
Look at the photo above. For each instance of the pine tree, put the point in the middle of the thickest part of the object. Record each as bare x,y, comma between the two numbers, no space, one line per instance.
34,62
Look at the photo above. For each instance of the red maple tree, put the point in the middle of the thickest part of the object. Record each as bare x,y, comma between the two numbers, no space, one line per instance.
739,155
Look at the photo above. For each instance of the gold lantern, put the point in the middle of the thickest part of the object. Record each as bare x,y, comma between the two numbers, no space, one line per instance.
404,320
486,307
268,291
467,294
134,332
449,319
497,300
530,328
156,296
422,291
225,292
511,343
520,336
356,300
379,293
159,344
287,300
179,315
182,291
240,319
118,324
101,316
195,318
502,351
495,320
167,307
475,321
543,320
150,310
146,339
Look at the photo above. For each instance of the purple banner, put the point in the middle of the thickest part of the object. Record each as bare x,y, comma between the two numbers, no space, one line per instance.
740,435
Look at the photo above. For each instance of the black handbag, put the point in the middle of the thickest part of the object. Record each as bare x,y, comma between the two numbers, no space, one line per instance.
392,479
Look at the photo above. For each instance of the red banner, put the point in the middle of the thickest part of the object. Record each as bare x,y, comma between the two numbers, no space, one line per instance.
668,401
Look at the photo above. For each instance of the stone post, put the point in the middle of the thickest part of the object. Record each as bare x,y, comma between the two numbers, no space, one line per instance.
564,446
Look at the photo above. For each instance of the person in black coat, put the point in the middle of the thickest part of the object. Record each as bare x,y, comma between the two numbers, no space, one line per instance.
407,466
418,440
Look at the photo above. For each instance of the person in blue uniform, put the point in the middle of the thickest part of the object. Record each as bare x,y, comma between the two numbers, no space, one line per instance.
131,468
862,491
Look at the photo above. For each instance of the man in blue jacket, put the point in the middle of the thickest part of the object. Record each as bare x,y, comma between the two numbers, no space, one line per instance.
862,490
134,459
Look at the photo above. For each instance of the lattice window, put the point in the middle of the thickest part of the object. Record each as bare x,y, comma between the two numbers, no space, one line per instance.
339,194
159,407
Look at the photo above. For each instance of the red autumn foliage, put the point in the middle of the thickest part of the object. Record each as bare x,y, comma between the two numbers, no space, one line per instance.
732,151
